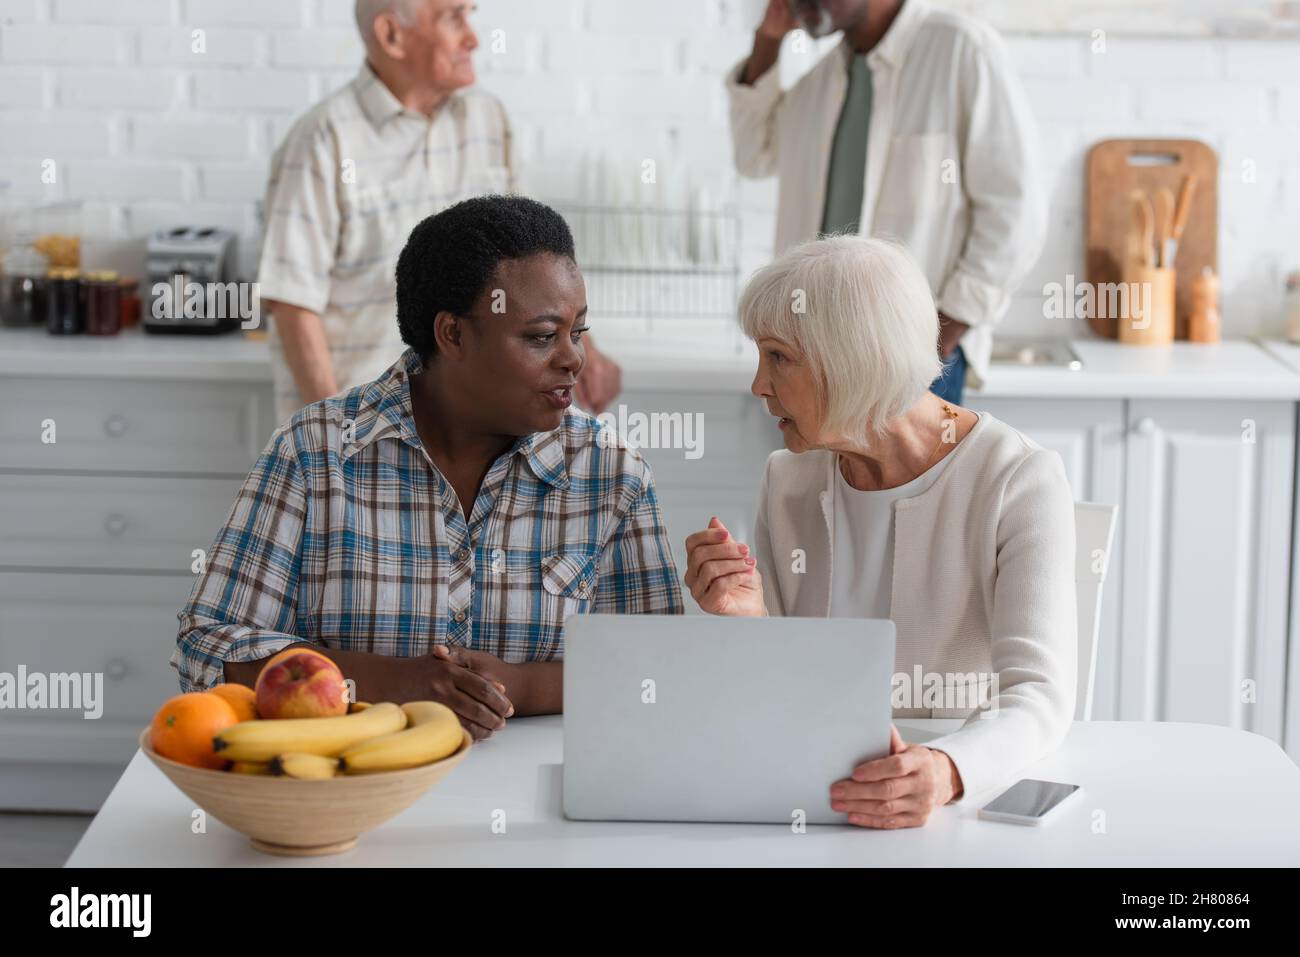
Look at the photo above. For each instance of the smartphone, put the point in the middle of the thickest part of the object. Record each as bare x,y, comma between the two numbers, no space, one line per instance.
1028,802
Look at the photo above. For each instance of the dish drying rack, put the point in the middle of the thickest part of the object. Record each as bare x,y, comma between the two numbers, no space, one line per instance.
649,262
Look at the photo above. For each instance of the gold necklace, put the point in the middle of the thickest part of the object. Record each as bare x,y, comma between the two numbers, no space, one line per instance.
949,414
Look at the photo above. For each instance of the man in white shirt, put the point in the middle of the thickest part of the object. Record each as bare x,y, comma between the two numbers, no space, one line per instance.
914,128
409,136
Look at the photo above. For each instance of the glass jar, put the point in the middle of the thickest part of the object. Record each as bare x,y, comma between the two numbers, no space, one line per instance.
130,301
103,300
58,226
6,220
63,311
22,302
1293,307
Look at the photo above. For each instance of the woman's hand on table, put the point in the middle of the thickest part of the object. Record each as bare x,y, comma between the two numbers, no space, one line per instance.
899,790
721,574
458,680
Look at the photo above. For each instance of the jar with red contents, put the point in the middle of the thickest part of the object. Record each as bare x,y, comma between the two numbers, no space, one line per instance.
102,295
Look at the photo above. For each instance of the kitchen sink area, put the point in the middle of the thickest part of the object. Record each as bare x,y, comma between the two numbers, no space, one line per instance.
1036,353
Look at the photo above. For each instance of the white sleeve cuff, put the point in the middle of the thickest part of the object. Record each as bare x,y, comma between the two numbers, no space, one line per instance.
971,300
759,95
282,289
979,775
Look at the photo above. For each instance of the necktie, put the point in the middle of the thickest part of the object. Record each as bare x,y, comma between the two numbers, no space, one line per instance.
844,178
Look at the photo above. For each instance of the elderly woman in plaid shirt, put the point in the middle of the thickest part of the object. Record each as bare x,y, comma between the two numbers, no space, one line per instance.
431,530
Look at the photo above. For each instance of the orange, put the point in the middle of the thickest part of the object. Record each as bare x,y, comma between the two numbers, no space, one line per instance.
184,727
243,699
285,654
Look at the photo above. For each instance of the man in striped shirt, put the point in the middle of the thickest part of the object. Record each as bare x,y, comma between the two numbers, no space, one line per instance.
431,530
410,135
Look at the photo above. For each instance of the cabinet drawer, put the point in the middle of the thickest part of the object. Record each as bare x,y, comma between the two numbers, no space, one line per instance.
110,523
133,426
120,626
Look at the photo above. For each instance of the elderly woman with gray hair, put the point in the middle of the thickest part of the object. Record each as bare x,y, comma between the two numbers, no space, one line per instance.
890,503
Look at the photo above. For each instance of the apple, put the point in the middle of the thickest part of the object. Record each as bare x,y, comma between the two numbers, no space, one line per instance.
302,685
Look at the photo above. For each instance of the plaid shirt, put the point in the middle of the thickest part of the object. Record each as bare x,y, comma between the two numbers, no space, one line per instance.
346,535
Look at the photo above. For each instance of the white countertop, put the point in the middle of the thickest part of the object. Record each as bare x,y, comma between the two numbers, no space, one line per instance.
1236,369
134,354
1285,351
1165,790
1233,369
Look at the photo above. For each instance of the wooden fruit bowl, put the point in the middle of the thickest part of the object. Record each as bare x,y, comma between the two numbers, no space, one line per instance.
287,816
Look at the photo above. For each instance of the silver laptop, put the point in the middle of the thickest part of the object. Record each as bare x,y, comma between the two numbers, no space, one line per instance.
703,718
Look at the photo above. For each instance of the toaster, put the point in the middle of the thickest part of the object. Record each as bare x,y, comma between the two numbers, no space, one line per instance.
192,284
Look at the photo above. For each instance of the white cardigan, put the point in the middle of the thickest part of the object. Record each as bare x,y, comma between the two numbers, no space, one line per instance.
983,582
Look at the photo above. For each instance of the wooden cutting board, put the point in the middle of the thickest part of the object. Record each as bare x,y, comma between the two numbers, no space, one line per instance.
1115,169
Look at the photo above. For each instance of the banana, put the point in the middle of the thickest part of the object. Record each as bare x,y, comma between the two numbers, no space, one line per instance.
434,733
358,706
308,767
249,767
264,739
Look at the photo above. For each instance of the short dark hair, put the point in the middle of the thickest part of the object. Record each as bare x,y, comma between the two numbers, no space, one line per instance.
451,257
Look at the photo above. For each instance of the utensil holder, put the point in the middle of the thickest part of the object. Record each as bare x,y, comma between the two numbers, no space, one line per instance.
1150,319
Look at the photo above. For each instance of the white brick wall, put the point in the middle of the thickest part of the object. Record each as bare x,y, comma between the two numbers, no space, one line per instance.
22,89
18,11
513,15
67,134
63,44
253,13
194,139
119,89
257,90
129,179
179,45
123,12
318,47
1133,58
334,12
152,133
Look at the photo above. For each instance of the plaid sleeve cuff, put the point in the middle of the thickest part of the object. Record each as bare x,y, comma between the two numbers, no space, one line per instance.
639,574
201,653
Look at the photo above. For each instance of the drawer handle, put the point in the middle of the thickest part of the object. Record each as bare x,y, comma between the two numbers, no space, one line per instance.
115,425
115,669
115,524
1145,425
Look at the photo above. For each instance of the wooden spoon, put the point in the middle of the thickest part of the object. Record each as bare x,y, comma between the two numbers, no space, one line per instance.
1164,212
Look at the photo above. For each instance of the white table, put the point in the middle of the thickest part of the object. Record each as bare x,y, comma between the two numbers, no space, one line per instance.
1157,794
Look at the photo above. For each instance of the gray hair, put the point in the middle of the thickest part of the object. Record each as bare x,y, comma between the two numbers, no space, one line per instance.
861,313
367,10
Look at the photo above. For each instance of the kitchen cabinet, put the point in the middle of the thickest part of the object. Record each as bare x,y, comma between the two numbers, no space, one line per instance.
107,486
1194,618
110,523
108,426
112,626
1208,503
1288,354
1291,718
